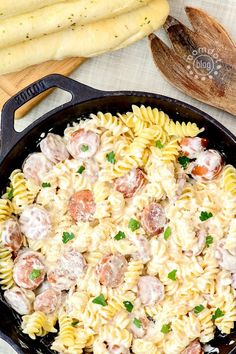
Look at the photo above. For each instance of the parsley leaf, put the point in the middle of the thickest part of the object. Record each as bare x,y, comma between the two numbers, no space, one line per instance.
172,275
111,157
81,169
10,192
198,309
134,224
209,240
159,144
100,300
67,237
218,313
74,323
166,328
35,274
46,184
205,215
119,236
167,233
137,322
128,305
84,148
184,161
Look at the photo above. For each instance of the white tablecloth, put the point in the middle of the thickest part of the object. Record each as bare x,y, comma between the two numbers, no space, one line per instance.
133,69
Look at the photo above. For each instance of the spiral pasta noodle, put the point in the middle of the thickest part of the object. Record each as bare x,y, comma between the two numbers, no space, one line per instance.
67,334
135,269
152,116
229,179
21,195
37,324
169,153
139,252
6,268
182,129
207,325
6,209
109,122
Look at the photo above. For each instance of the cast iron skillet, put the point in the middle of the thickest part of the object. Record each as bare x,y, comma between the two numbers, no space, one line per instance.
85,100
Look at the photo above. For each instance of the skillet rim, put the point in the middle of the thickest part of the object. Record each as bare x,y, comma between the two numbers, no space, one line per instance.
96,95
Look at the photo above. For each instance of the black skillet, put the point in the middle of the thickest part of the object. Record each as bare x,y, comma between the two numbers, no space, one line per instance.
85,100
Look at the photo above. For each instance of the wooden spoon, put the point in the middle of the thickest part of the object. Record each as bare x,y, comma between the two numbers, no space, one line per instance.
202,63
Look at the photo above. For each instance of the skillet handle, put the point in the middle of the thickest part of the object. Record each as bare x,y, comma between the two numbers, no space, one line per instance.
79,93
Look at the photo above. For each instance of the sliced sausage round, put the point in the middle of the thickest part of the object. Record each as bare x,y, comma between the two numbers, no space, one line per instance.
111,269
153,219
82,206
130,183
20,300
29,270
35,167
191,147
54,148
35,222
69,268
150,290
11,235
207,166
193,348
83,144
47,301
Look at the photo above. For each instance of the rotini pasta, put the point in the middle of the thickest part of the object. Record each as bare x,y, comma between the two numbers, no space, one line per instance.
182,129
37,324
6,268
6,209
229,179
22,196
127,239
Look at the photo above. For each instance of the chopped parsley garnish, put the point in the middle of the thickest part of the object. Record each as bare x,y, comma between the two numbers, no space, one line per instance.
134,224
209,240
218,313
111,157
35,274
184,161
205,215
172,275
81,169
137,322
84,148
119,236
100,300
67,237
198,309
46,184
166,328
167,233
10,192
128,305
159,144
74,323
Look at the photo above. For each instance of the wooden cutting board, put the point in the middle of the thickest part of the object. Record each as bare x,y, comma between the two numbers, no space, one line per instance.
12,83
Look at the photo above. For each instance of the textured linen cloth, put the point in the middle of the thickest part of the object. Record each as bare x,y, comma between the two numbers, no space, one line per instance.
132,68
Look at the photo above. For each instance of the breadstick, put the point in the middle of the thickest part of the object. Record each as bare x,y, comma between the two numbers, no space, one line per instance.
24,27
10,8
88,40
